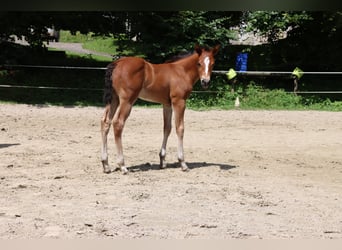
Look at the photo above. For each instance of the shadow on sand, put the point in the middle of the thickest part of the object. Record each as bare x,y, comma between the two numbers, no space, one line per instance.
6,145
191,165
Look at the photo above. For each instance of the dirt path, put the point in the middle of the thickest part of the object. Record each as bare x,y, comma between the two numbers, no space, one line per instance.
73,47
254,174
77,48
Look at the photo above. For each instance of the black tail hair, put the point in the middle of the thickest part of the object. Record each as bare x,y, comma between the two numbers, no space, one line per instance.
108,88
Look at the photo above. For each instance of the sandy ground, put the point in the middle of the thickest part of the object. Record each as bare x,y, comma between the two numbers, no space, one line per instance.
254,174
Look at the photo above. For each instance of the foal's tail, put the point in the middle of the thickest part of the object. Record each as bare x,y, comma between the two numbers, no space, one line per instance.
108,88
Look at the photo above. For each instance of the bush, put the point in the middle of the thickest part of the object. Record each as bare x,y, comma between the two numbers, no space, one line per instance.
258,97
254,96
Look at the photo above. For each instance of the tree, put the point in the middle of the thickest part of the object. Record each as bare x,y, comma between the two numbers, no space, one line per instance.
33,25
272,24
24,24
312,39
156,34
161,34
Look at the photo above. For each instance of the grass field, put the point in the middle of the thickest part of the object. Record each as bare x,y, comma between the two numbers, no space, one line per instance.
106,44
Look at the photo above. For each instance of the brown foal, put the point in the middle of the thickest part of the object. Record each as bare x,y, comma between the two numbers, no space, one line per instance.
169,84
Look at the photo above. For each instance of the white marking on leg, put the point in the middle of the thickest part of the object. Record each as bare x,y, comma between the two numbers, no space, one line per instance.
180,150
104,153
163,152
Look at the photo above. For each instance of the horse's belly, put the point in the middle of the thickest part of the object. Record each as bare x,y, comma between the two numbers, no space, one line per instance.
153,97
147,96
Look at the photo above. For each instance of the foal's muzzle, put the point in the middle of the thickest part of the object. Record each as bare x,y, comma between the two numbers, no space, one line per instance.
205,83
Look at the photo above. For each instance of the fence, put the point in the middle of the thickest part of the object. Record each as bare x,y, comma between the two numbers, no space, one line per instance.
219,72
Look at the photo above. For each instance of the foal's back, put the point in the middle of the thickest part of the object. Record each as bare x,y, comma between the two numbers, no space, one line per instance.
134,78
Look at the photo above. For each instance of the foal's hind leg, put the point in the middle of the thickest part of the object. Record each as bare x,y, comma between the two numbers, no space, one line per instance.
167,115
120,118
106,122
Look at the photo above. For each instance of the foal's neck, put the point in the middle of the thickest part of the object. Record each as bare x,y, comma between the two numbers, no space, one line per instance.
190,66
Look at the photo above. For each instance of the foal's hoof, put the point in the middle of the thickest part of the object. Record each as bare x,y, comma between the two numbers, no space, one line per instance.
106,170
116,169
124,170
185,169
184,166
163,166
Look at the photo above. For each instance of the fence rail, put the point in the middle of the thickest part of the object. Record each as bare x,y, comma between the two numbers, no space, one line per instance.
280,73
219,72
96,89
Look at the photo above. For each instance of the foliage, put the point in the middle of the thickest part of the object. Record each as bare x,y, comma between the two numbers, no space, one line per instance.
34,25
318,42
311,37
156,35
311,40
24,24
258,97
272,24
254,96
159,35
327,105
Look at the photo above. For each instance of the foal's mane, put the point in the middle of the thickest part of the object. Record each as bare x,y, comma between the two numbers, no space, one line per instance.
178,57
183,55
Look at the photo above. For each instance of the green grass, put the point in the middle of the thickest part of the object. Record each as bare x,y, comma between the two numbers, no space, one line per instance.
98,58
105,44
255,97
81,56
67,37
102,44
90,83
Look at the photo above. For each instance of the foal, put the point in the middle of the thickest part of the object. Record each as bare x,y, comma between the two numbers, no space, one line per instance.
169,84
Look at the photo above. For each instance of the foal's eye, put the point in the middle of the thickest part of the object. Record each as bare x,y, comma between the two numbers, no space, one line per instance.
198,64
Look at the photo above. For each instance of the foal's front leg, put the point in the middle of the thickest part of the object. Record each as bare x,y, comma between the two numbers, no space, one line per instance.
179,109
167,115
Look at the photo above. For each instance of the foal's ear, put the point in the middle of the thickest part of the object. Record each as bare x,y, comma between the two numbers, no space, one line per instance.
216,49
198,49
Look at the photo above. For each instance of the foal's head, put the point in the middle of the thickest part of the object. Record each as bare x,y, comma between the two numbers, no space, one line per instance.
206,62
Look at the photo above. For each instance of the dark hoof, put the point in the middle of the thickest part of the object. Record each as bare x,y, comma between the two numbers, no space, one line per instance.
107,171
